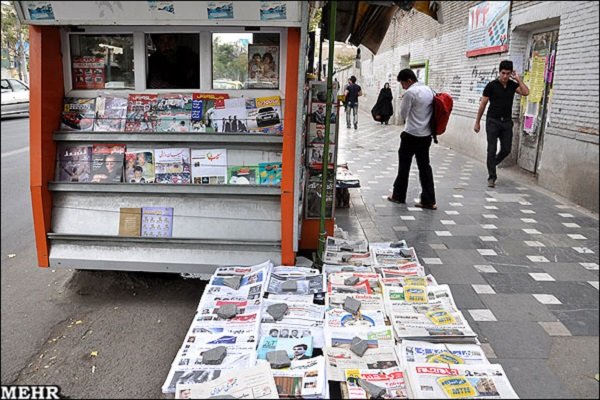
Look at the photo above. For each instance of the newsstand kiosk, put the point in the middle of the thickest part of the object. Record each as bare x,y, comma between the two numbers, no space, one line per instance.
81,49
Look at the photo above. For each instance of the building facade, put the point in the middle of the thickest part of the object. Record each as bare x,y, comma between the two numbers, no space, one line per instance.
554,45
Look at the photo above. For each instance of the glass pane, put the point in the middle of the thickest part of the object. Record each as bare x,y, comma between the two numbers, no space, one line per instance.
18,86
245,60
102,61
173,61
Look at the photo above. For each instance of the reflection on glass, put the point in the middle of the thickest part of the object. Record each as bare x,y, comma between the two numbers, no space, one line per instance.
245,61
102,61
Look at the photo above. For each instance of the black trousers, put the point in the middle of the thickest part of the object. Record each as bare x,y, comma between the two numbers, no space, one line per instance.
419,147
501,129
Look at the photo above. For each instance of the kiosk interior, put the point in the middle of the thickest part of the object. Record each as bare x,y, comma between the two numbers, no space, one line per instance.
201,110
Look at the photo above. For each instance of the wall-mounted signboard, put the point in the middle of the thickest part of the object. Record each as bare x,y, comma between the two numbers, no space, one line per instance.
488,28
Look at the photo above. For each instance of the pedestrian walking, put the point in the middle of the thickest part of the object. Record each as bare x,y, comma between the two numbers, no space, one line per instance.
352,93
383,108
416,109
499,125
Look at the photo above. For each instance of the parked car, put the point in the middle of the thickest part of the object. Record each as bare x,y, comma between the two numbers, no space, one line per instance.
15,97
267,117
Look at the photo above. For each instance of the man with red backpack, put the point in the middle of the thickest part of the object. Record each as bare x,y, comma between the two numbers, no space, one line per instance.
417,110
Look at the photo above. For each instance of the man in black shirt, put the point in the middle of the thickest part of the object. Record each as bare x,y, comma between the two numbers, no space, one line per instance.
352,93
500,93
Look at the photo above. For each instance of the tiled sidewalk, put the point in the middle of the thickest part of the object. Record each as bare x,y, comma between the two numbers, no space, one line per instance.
522,263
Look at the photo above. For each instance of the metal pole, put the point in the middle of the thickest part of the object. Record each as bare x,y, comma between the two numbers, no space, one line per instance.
322,233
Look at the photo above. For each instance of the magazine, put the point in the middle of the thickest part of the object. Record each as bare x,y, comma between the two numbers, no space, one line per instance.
130,221
391,379
139,166
447,353
107,162
242,175
313,195
263,67
264,115
78,114
74,163
141,113
173,112
210,102
253,383
230,119
315,156
209,167
269,173
110,114
157,222
441,381
303,379
172,165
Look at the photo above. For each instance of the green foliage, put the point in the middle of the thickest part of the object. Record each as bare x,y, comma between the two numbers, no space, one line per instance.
229,61
315,20
13,35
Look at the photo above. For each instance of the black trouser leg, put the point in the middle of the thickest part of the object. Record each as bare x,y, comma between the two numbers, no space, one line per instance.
405,155
425,172
493,131
505,141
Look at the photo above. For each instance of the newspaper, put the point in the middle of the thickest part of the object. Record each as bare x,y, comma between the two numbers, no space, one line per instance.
304,378
386,245
401,281
337,279
253,383
339,318
330,268
391,379
439,381
297,313
410,269
243,270
425,352
394,256
308,281
368,302
295,331
352,246
339,359
360,288
347,258
297,348
291,298
376,337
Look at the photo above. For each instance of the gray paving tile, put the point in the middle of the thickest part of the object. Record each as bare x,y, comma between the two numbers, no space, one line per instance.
457,273
517,339
572,359
465,297
466,257
569,272
517,307
533,379
580,320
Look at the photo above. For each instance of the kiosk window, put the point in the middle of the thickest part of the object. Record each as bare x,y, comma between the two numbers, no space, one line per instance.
245,60
173,61
102,61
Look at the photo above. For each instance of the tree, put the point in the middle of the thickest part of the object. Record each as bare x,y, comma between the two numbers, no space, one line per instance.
14,37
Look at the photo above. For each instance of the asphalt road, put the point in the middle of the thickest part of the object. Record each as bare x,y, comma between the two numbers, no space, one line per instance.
54,320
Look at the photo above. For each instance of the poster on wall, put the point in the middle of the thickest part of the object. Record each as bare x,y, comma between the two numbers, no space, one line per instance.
487,32
270,10
164,6
40,10
88,72
220,10
263,67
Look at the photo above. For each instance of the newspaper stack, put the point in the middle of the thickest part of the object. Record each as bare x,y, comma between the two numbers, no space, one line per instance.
391,379
238,334
303,379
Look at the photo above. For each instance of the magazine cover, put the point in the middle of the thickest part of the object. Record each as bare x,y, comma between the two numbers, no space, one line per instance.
139,166
313,195
157,222
173,112
242,175
264,114
89,72
209,167
141,113
107,162
110,114
270,173
263,67
172,165
74,163
316,134
230,120
210,102
78,114
315,156
318,114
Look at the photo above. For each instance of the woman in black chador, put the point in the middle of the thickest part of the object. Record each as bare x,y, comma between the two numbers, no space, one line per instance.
383,109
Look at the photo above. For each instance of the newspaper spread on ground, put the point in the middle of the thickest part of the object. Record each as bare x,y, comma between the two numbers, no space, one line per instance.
347,258
401,281
251,383
352,246
308,280
340,318
300,320
339,359
393,256
376,337
368,302
443,381
331,268
391,379
304,378
424,352
337,279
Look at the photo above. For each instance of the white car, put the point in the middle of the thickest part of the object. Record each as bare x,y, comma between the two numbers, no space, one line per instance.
15,97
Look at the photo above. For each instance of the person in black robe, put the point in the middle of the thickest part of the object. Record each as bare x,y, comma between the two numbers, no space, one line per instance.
383,110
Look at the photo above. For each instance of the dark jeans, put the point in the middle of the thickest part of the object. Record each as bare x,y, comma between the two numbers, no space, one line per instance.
497,129
419,147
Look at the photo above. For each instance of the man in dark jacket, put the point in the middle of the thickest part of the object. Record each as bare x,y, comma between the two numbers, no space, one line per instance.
352,93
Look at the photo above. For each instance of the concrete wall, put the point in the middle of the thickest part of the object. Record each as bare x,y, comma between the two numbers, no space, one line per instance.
568,163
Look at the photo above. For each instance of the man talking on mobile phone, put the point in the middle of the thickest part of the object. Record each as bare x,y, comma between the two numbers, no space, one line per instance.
499,125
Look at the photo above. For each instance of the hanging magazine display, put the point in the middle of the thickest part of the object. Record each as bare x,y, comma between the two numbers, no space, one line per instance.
263,67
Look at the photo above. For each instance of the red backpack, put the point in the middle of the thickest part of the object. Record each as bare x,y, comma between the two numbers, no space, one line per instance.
442,108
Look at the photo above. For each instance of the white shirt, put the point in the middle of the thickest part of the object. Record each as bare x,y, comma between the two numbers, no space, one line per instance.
416,109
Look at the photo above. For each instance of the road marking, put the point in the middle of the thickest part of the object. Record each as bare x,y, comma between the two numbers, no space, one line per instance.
18,151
